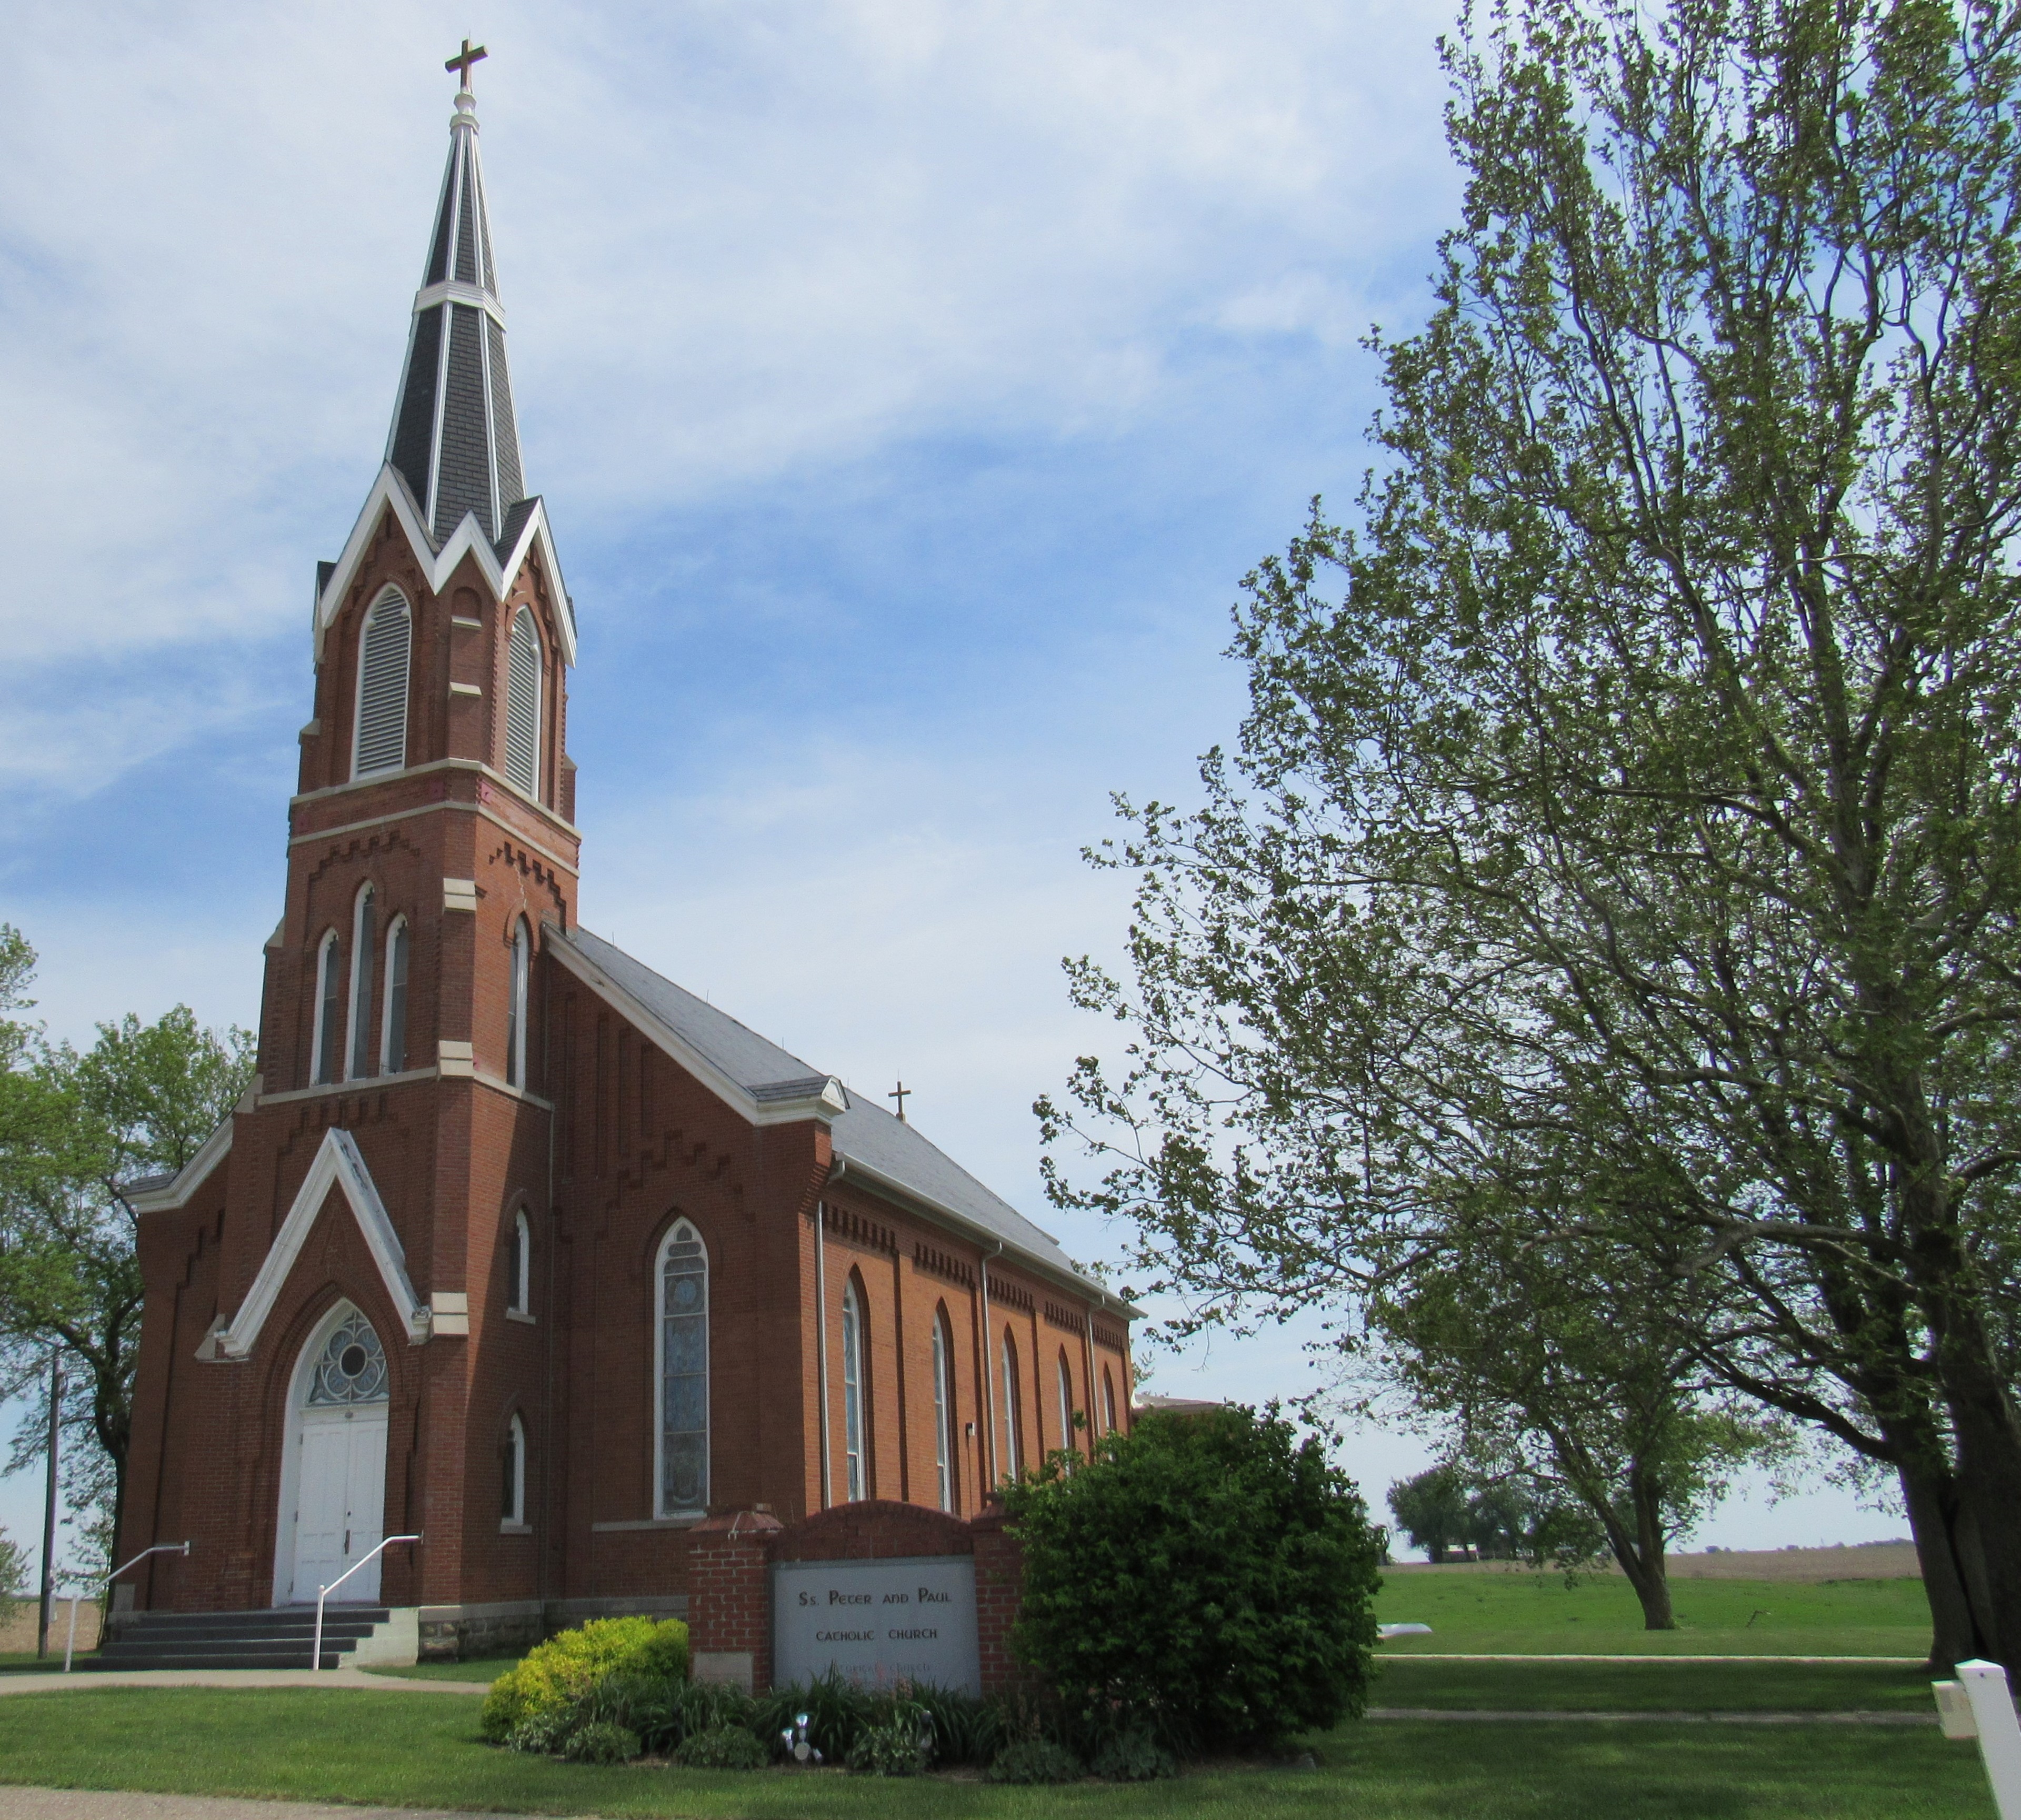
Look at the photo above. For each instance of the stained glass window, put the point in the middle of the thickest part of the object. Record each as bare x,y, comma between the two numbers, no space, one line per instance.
683,1373
352,1367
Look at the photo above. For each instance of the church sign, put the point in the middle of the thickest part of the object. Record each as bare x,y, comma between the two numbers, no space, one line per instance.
877,1622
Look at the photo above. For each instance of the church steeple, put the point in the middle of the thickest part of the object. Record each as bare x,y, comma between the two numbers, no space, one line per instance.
455,439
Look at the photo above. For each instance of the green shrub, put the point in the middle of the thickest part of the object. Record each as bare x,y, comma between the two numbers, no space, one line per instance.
893,1747
1034,1760
600,1743
1208,1579
965,1730
562,1671
543,1734
1132,1755
722,1747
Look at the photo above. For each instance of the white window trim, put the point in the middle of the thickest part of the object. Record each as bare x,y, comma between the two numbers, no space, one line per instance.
855,1463
1108,1401
396,928
521,993
514,1522
359,997
681,1233
944,1453
1012,1453
318,1072
391,596
520,1301
1066,1403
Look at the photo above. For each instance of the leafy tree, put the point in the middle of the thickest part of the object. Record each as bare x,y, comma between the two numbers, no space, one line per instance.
1434,1510
1212,1575
13,1566
1633,797
75,1129
1573,1382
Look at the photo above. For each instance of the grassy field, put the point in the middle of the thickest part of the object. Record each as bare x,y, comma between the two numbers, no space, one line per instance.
407,1749
1521,1612
477,1669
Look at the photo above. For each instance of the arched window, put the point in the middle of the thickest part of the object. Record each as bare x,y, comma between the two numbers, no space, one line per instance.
513,1510
381,741
364,941
325,1049
1012,1423
682,1391
852,1390
523,703
1066,1403
1108,1401
393,1014
944,1453
519,1264
515,1007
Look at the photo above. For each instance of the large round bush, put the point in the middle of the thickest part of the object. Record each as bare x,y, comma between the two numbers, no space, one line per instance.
1213,1574
557,1673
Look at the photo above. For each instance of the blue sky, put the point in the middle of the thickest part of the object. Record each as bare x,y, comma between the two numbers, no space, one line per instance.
910,383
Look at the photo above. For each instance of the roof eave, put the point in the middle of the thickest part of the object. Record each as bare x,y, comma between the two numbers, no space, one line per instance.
192,1176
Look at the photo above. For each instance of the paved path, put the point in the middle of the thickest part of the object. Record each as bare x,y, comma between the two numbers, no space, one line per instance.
91,1804
85,1681
1467,1717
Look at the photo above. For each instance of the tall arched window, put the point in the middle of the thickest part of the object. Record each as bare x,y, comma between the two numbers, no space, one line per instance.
1108,1401
515,1006
1012,1424
523,703
380,743
519,1264
513,1508
393,1013
325,1047
1066,1403
681,1390
944,1450
364,943
852,1390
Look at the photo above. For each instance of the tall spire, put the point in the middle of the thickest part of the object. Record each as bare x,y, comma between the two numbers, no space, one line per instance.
454,439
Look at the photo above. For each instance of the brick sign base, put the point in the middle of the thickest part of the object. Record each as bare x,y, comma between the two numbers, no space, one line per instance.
729,1595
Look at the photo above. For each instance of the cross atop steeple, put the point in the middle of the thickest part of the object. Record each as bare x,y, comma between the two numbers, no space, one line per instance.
461,63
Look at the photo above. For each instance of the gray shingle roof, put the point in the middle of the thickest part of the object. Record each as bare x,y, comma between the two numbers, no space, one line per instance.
865,1134
455,439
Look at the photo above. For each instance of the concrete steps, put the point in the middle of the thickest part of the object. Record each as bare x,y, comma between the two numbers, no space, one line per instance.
279,1638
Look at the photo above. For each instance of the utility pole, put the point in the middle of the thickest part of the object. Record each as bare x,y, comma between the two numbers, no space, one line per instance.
49,1508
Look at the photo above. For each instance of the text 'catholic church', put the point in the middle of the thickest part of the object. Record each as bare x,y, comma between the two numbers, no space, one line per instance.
515,1245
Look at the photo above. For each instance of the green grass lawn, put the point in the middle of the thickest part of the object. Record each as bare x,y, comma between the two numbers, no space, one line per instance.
1525,1613
1654,1685
408,1749
477,1669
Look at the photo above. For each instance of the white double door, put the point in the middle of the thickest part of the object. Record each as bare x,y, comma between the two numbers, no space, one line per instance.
340,1501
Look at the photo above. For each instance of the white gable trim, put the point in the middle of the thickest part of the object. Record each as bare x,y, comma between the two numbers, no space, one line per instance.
194,1172
389,493
337,1164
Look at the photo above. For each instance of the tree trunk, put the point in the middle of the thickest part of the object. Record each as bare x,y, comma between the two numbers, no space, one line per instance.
1640,1555
1931,1501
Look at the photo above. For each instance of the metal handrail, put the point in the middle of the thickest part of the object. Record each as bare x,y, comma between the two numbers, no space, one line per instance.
105,1608
322,1592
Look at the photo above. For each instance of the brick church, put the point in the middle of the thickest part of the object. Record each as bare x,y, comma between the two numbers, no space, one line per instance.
515,1245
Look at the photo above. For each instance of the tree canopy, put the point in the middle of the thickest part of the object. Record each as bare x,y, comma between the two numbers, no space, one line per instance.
1628,795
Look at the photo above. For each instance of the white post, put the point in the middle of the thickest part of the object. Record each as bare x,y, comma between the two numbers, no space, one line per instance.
70,1648
1999,1732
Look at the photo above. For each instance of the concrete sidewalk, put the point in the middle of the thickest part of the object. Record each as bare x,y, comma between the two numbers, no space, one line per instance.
92,1804
84,1680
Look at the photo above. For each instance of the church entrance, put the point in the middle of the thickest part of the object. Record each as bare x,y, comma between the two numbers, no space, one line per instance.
334,1483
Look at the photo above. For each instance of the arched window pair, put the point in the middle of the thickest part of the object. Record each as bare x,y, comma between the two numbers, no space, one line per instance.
342,1047
385,654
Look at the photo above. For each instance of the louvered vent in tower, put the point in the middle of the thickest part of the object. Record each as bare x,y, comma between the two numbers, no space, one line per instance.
382,689
522,705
